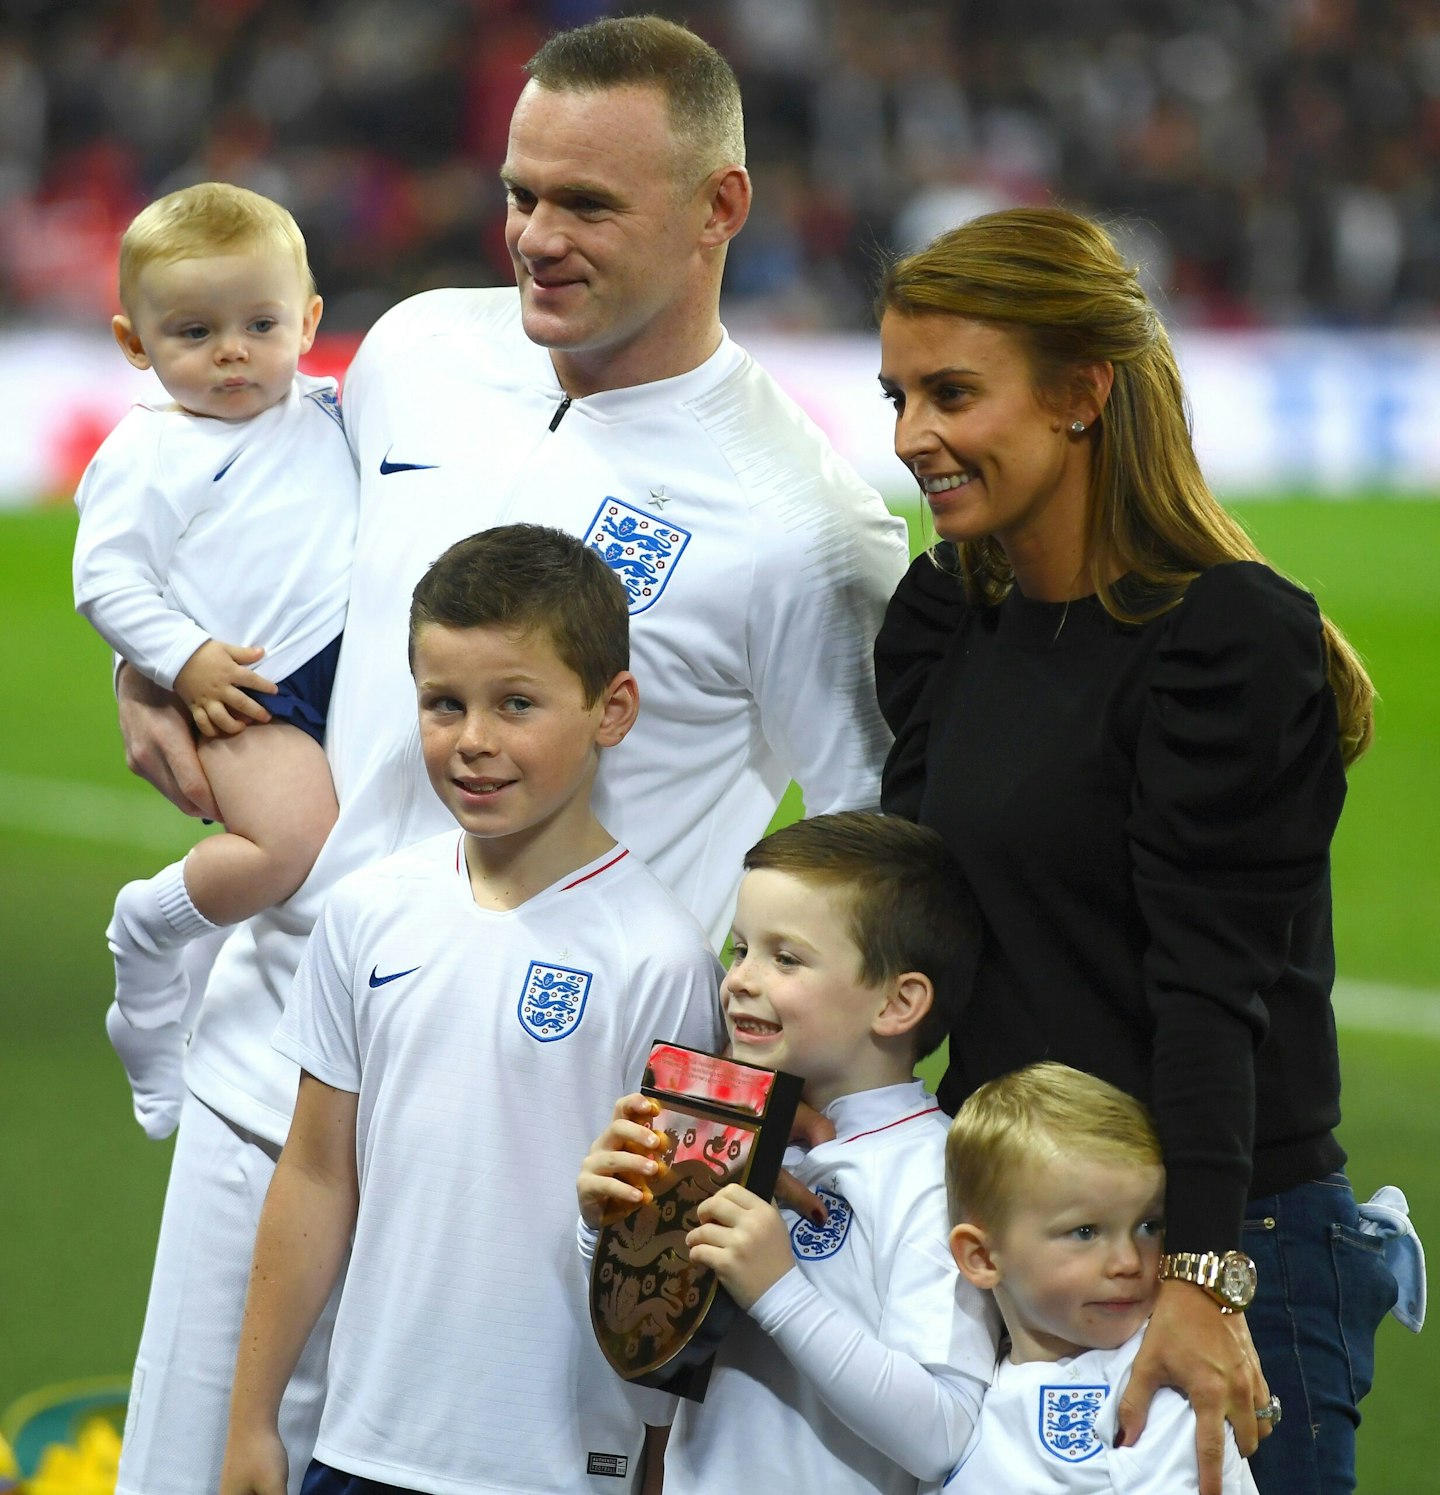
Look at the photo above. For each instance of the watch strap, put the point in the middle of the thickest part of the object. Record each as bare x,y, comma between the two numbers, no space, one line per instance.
1204,1269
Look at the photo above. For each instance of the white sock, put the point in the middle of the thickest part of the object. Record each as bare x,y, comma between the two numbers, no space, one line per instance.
154,1060
153,920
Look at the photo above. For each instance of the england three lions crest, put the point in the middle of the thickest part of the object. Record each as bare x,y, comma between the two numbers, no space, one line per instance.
1067,1421
328,401
815,1242
641,549
553,1001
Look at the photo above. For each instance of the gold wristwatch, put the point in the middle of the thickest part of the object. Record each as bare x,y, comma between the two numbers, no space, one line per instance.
1229,1279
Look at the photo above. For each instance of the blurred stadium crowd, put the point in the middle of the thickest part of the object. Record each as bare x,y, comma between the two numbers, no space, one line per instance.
1274,161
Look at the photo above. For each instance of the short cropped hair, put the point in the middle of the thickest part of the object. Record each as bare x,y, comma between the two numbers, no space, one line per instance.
1030,1119
909,906
532,579
208,219
699,86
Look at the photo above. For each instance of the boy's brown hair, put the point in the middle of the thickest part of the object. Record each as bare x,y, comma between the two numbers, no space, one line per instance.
532,579
909,906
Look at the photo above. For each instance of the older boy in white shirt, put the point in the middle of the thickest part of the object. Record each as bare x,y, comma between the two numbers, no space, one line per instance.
462,1014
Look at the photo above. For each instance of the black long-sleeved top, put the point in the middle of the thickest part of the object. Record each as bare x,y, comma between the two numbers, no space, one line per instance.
1145,814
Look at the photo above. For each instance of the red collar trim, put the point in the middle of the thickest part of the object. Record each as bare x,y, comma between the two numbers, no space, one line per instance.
876,1130
621,855
604,867
565,888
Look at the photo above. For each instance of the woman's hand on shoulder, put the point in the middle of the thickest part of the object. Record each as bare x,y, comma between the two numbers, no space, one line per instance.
1209,1356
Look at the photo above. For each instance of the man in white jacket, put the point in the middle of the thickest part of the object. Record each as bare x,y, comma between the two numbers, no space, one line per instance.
605,398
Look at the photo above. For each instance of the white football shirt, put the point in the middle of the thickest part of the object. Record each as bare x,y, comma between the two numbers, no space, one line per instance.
1048,1428
758,567
487,1049
883,1260
193,528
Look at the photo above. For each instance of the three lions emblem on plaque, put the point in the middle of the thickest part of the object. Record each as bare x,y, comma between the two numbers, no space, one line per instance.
657,1317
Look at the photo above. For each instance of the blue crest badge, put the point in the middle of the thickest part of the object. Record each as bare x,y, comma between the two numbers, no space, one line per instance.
329,402
1067,1421
552,1001
641,549
816,1242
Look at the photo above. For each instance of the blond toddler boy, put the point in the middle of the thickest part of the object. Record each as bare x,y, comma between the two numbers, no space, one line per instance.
1057,1192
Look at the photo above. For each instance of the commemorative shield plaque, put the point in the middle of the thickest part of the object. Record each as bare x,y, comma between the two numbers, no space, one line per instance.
658,1318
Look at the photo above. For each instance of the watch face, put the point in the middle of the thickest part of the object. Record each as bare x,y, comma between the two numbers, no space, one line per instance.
1237,1279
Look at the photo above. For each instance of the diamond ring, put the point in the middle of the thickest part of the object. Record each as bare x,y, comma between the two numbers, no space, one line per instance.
1270,1412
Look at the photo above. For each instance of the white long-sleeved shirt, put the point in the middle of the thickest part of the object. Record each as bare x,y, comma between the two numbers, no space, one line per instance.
193,528
862,1369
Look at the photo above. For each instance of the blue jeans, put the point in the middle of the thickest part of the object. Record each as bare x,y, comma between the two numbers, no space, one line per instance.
1323,1290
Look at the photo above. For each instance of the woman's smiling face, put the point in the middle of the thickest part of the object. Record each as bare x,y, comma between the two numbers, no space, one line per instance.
991,454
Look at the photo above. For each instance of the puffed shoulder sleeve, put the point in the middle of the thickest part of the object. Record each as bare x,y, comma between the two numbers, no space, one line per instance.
920,621
1238,786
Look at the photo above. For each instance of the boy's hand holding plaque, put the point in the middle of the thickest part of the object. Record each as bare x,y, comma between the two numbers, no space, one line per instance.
699,1124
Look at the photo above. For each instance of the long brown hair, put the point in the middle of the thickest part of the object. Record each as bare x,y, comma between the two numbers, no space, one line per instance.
1057,282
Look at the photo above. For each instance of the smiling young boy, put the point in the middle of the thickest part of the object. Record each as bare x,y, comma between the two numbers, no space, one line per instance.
214,530
1057,1193
863,1355
462,1016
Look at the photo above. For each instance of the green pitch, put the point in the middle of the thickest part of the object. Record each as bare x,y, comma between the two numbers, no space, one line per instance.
81,1188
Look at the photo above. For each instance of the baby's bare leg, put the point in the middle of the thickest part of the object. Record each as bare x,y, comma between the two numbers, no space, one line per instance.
274,792
273,787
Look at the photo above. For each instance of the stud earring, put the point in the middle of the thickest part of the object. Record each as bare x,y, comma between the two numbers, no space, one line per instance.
1078,427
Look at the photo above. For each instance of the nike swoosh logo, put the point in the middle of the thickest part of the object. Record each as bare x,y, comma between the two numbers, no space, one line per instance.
387,466
224,469
378,980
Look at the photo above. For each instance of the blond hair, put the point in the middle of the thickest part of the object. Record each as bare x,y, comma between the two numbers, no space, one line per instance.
208,219
1030,1119
701,94
1057,282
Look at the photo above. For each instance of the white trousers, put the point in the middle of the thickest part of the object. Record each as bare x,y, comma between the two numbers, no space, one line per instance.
180,1396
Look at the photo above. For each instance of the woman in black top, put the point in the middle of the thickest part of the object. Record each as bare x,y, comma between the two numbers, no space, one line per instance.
1133,735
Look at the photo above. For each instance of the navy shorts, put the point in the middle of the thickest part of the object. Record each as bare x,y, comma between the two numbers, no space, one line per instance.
321,1479
303,698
